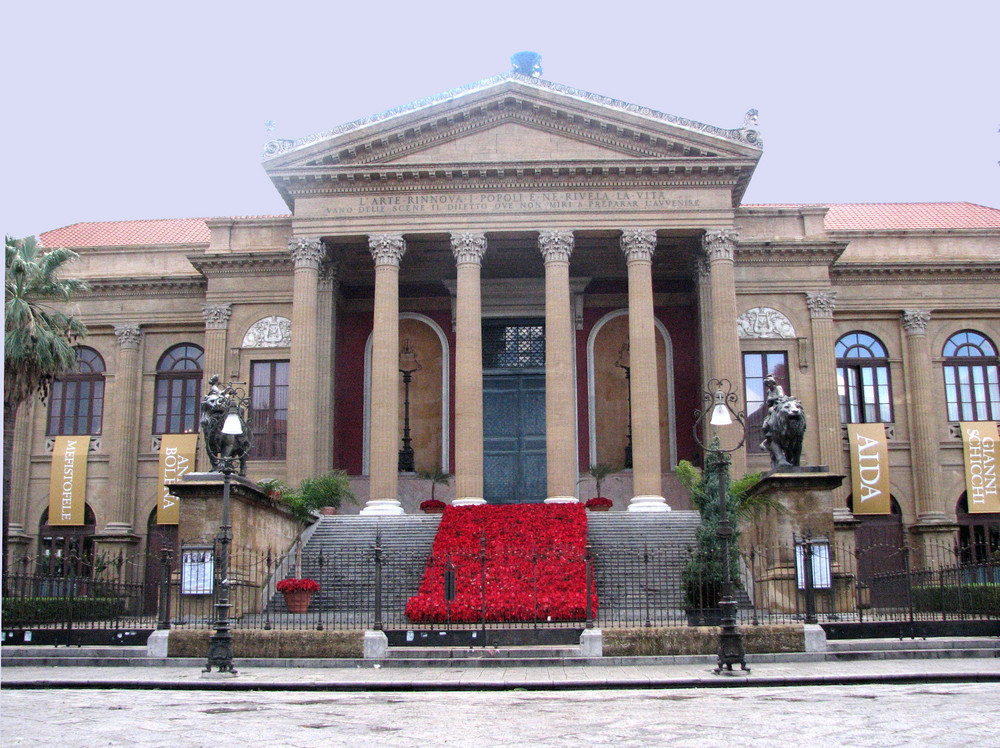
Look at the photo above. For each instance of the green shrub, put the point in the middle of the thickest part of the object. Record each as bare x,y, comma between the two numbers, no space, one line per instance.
969,598
329,489
31,610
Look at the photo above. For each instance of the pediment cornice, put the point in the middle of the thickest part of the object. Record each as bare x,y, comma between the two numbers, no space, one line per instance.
799,252
620,127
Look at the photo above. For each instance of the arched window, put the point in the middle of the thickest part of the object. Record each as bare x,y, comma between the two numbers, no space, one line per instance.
76,401
178,390
863,379
971,383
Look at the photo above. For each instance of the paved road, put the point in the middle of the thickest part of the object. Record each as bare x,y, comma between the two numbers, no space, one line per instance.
875,715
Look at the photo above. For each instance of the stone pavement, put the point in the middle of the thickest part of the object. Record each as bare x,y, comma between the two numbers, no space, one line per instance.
693,673
656,708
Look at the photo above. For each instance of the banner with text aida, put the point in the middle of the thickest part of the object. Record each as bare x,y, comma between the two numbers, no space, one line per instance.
177,453
980,443
869,468
68,481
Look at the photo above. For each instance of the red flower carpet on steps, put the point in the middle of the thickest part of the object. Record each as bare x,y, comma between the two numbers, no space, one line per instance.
534,564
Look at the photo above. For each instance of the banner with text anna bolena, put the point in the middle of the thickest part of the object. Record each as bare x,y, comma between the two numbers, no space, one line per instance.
177,453
68,480
869,468
979,441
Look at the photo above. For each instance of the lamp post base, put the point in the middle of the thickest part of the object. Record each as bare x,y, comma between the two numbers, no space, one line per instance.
731,650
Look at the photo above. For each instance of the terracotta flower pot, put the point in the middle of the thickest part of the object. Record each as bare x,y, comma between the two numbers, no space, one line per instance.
328,511
598,508
434,510
297,601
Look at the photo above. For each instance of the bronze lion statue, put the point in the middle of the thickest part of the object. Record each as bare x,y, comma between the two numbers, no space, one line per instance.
784,426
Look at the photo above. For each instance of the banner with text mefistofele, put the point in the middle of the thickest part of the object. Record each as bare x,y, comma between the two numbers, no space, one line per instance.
177,453
68,480
869,468
979,441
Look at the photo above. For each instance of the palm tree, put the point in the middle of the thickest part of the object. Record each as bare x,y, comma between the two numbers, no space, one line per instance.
38,339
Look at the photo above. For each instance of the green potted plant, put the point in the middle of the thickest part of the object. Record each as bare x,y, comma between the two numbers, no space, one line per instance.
273,487
704,572
600,472
324,492
437,477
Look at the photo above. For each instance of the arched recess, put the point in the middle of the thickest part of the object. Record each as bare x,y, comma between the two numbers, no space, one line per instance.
978,534
66,550
442,362
878,541
158,538
666,376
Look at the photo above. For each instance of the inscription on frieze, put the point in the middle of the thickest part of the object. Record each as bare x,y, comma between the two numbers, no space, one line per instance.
542,201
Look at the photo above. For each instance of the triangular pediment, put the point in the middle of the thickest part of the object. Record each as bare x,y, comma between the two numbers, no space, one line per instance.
514,119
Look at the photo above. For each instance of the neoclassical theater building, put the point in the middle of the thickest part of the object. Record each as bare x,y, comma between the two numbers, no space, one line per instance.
559,273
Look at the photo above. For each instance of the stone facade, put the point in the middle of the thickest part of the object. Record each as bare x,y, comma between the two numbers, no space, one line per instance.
523,202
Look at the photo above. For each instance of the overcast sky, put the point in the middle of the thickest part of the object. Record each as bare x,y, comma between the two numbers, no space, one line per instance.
156,110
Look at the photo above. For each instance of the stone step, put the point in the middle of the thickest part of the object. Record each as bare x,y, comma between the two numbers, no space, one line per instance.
902,645
483,653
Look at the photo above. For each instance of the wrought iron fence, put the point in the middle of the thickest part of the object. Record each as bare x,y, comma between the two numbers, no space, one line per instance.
367,587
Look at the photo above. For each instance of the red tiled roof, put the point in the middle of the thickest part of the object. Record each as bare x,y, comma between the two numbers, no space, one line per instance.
127,233
904,216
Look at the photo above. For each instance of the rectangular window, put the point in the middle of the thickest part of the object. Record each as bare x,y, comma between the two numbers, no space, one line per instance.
756,366
269,409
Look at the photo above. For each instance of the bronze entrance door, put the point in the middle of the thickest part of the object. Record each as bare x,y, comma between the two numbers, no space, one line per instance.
514,438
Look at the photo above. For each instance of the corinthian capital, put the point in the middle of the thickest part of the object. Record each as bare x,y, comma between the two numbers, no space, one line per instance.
555,246
387,249
468,247
306,251
821,303
915,321
329,274
129,335
720,244
638,244
216,315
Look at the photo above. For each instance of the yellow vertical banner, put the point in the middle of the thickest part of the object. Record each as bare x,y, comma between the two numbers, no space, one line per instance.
177,453
68,480
979,441
869,468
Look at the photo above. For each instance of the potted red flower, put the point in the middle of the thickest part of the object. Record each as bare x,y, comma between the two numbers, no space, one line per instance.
432,506
298,593
437,477
599,473
598,504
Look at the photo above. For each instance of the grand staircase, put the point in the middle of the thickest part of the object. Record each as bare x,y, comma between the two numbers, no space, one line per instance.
638,559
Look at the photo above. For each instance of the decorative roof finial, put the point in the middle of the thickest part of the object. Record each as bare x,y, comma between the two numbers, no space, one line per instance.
526,63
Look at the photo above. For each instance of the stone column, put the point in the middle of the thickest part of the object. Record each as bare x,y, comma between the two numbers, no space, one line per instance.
704,278
932,515
560,411
387,250
216,339
326,325
123,432
468,249
20,522
638,246
720,247
826,420
307,252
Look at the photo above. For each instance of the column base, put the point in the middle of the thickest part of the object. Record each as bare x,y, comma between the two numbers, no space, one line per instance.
648,504
469,501
383,507
562,500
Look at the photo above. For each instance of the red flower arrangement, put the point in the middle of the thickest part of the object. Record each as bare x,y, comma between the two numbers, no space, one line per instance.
533,556
298,585
598,501
432,505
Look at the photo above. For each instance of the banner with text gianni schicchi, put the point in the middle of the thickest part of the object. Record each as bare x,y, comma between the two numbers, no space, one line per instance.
68,480
979,441
869,468
177,453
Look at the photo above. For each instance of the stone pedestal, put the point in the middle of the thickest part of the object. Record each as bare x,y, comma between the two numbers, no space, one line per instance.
806,493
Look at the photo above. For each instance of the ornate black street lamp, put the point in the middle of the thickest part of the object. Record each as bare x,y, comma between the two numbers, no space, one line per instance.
228,440
720,400
408,364
624,363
